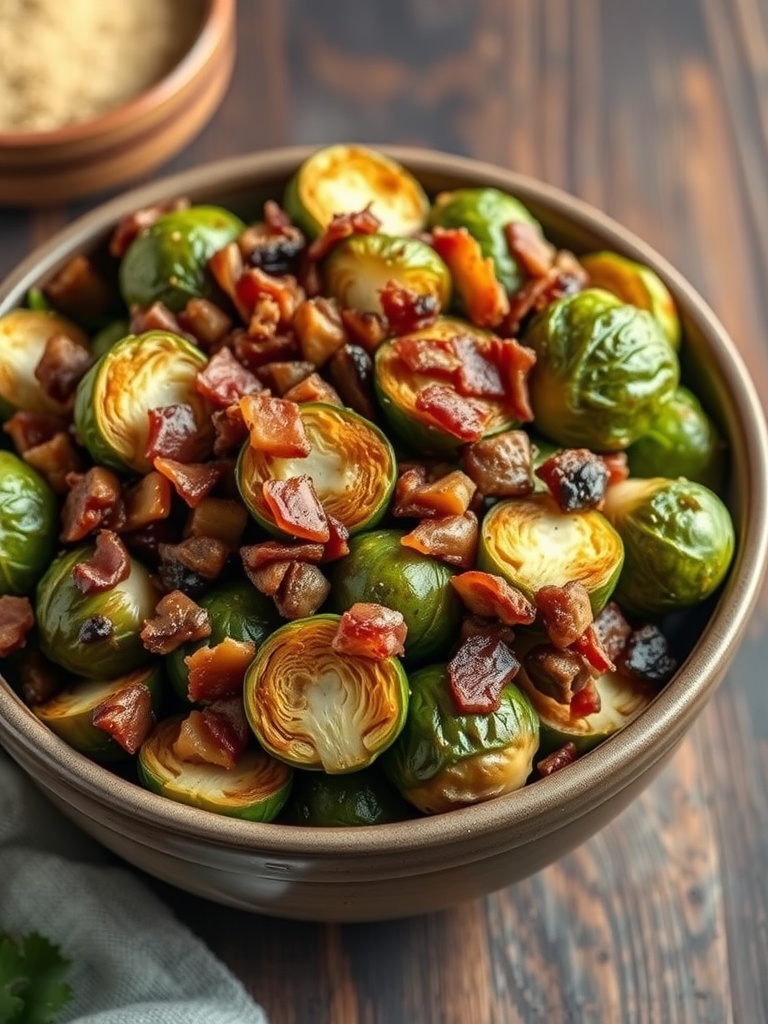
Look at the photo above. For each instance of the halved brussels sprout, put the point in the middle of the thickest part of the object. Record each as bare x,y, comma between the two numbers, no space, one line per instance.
168,262
352,466
346,179
603,371
533,544
29,525
366,797
444,760
23,336
637,285
359,267
379,568
485,212
70,713
683,441
314,708
141,372
109,336
678,542
94,635
236,610
255,789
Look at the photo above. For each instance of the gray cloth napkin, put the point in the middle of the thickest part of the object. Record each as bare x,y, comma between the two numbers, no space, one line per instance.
132,961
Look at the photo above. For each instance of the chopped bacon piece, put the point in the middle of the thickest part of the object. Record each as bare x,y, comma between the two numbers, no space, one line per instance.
566,276
368,330
557,760
39,678
61,367
229,429
448,495
408,483
369,630
254,285
531,250
205,321
309,277
407,310
302,590
95,500
109,565
296,508
613,630
267,578
351,372
255,556
452,413
478,376
452,539
617,465
479,625
226,265
478,673
56,460
16,620
275,217
192,481
272,248
515,364
343,225
336,546
565,611
216,735
192,563
258,349
224,380
590,647
576,479
555,673
491,596
81,291
474,275
282,375
646,656
126,716
176,621
218,671
131,226
435,357
223,519
501,466
30,429
275,426
156,317
173,434
531,296
313,389
586,701
319,329
146,501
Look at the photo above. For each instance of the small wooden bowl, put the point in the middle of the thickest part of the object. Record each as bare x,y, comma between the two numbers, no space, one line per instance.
38,168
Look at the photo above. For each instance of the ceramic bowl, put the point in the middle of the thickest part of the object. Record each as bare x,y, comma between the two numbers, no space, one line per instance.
114,149
420,865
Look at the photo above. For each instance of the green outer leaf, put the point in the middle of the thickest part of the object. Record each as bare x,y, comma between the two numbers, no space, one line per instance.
29,525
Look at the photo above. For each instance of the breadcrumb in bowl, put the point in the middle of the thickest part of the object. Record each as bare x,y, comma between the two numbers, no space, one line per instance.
153,81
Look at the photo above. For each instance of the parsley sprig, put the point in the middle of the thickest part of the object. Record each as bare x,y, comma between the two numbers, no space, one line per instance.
33,986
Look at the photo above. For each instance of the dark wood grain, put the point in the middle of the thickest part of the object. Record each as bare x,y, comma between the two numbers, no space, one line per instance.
658,113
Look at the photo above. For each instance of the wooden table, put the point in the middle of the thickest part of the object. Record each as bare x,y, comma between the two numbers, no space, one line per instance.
657,112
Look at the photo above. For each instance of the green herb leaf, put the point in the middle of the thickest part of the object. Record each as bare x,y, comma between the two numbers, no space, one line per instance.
33,988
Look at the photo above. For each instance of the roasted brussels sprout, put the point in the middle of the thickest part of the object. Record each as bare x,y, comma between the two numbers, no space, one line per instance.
683,441
168,261
532,544
485,212
379,568
359,268
94,635
603,371
29,525
352,466
142,372
70,713
444,760
347,179
678,542
255,789
314,708
637,285
366,797
23,336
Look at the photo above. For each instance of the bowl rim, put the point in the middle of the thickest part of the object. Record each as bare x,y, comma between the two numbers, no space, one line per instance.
215,16
551,803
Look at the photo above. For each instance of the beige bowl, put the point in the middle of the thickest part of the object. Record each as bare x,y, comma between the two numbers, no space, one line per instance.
417,866
117,147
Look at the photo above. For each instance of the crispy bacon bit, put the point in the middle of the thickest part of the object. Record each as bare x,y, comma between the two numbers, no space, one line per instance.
156,317
557,760
224,380
590,647
435,357
473,274
491,596
146,501
176,621
192,481
257,349
452,539
370,630
613,630
501,466
336,546
218,671
226,266
296,508
214,735
173,434
30,429
576,478
56,460
275,426
407,310
191,564
138,221
302,590
351,372
368,330
39,678
565,611
80,291
109,565
647,657
229,429
530,249
313,389
275,217
282,375
587,701
555,673
275,250
61,367
223,519
95,629
617,465
206,322
479,625
319,329
515,363
566,276
448,495
255,556
95,500
267,578
126,716
16,620
478,376
343,225
478,673
452,413
253,285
